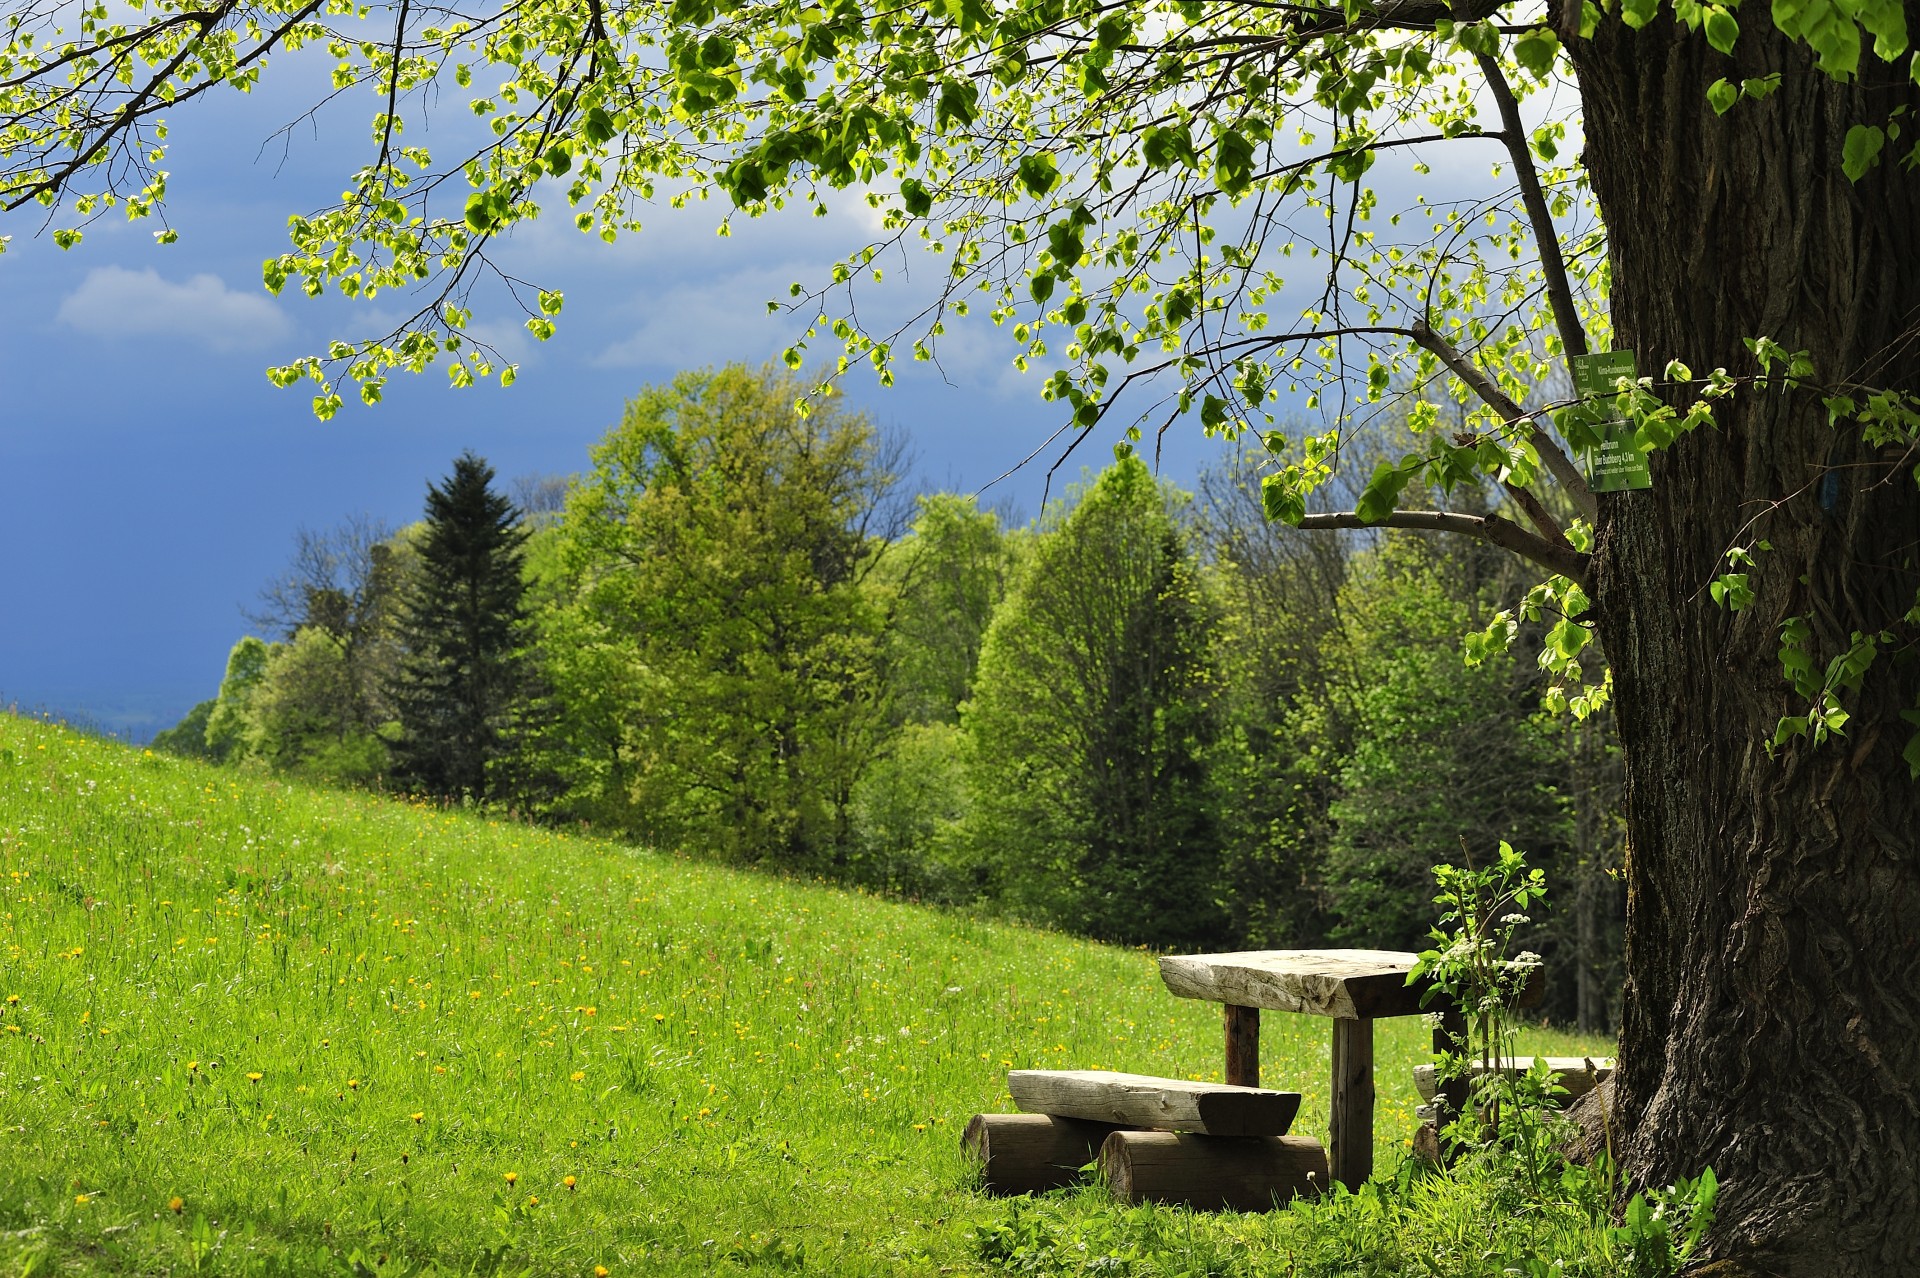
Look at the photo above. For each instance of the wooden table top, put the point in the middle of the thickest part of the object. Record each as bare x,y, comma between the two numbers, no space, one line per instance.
1345,984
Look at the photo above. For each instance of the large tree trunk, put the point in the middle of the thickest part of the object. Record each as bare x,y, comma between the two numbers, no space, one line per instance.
1772,1019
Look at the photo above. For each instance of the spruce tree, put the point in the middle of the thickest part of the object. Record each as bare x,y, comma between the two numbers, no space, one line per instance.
462,675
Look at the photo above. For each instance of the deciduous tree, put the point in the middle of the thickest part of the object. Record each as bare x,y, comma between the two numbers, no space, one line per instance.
716,647
1133,185
1092,723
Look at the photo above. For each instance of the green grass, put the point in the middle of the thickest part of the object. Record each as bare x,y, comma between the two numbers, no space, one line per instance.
255,1028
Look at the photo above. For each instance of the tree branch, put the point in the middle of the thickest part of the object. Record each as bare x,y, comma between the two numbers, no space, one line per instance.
1564,472
1536,514
1499,531
1553,265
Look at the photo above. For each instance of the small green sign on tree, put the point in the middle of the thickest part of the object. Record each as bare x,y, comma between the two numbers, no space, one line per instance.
1615,460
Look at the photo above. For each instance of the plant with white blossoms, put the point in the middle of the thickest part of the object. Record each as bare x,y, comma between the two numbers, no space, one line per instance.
1481,911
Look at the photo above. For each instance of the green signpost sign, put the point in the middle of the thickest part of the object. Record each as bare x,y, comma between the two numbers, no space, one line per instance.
1614,460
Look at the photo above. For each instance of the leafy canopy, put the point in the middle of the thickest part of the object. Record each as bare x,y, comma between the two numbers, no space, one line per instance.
1171,204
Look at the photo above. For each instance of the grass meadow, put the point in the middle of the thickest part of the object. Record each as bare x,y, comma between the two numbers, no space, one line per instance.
252,1028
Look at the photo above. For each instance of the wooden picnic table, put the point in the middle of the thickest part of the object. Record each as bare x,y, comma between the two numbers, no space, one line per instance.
1351,987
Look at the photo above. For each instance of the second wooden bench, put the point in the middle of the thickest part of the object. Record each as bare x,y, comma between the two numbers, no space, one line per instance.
1167,1140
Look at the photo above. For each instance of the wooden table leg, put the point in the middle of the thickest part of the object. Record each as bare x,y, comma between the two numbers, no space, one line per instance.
1450,1036
1243,1046
1350,1111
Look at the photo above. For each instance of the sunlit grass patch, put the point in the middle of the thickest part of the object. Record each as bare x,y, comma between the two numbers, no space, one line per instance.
250,1027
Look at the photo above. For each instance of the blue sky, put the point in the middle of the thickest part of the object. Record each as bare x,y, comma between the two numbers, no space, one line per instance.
154,480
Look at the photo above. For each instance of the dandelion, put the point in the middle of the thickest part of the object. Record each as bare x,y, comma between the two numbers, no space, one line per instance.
658,1017
599,1271
568,1182
512,1177
579,1074
13,1000
176,1204
353,1084
533,1200
254,1078
81,1200
420,1117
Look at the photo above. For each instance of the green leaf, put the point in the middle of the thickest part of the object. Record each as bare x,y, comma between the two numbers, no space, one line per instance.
480,214
1280,502
959,104
1861,150
1722,29
1732,591
1067,245
1233,162
1721,95
1382,493
1041,287
1887,21
914,197
1164,147
1038,174
1479,38
1638,13
1536,51
598,126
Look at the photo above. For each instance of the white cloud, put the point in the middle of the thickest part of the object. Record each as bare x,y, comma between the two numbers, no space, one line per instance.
115,302
712,322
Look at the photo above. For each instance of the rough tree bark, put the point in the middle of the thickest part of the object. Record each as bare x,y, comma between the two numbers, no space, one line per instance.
1772,1015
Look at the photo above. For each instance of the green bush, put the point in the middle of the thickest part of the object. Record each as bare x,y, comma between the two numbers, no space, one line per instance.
908,811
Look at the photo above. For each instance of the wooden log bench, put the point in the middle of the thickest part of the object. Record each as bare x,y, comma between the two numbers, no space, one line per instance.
1212,1145
1166,1140
1352,988
1574,1076
1171,1104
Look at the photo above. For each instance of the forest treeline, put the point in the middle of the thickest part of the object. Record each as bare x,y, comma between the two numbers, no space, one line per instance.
1149,716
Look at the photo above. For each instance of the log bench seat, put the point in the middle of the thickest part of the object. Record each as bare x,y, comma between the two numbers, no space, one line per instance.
1166,1140
1170,1104
1575,1075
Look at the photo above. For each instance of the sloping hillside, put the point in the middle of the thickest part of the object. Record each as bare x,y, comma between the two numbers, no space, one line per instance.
250,1027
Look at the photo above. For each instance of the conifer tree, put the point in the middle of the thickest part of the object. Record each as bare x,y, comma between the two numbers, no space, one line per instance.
462,676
